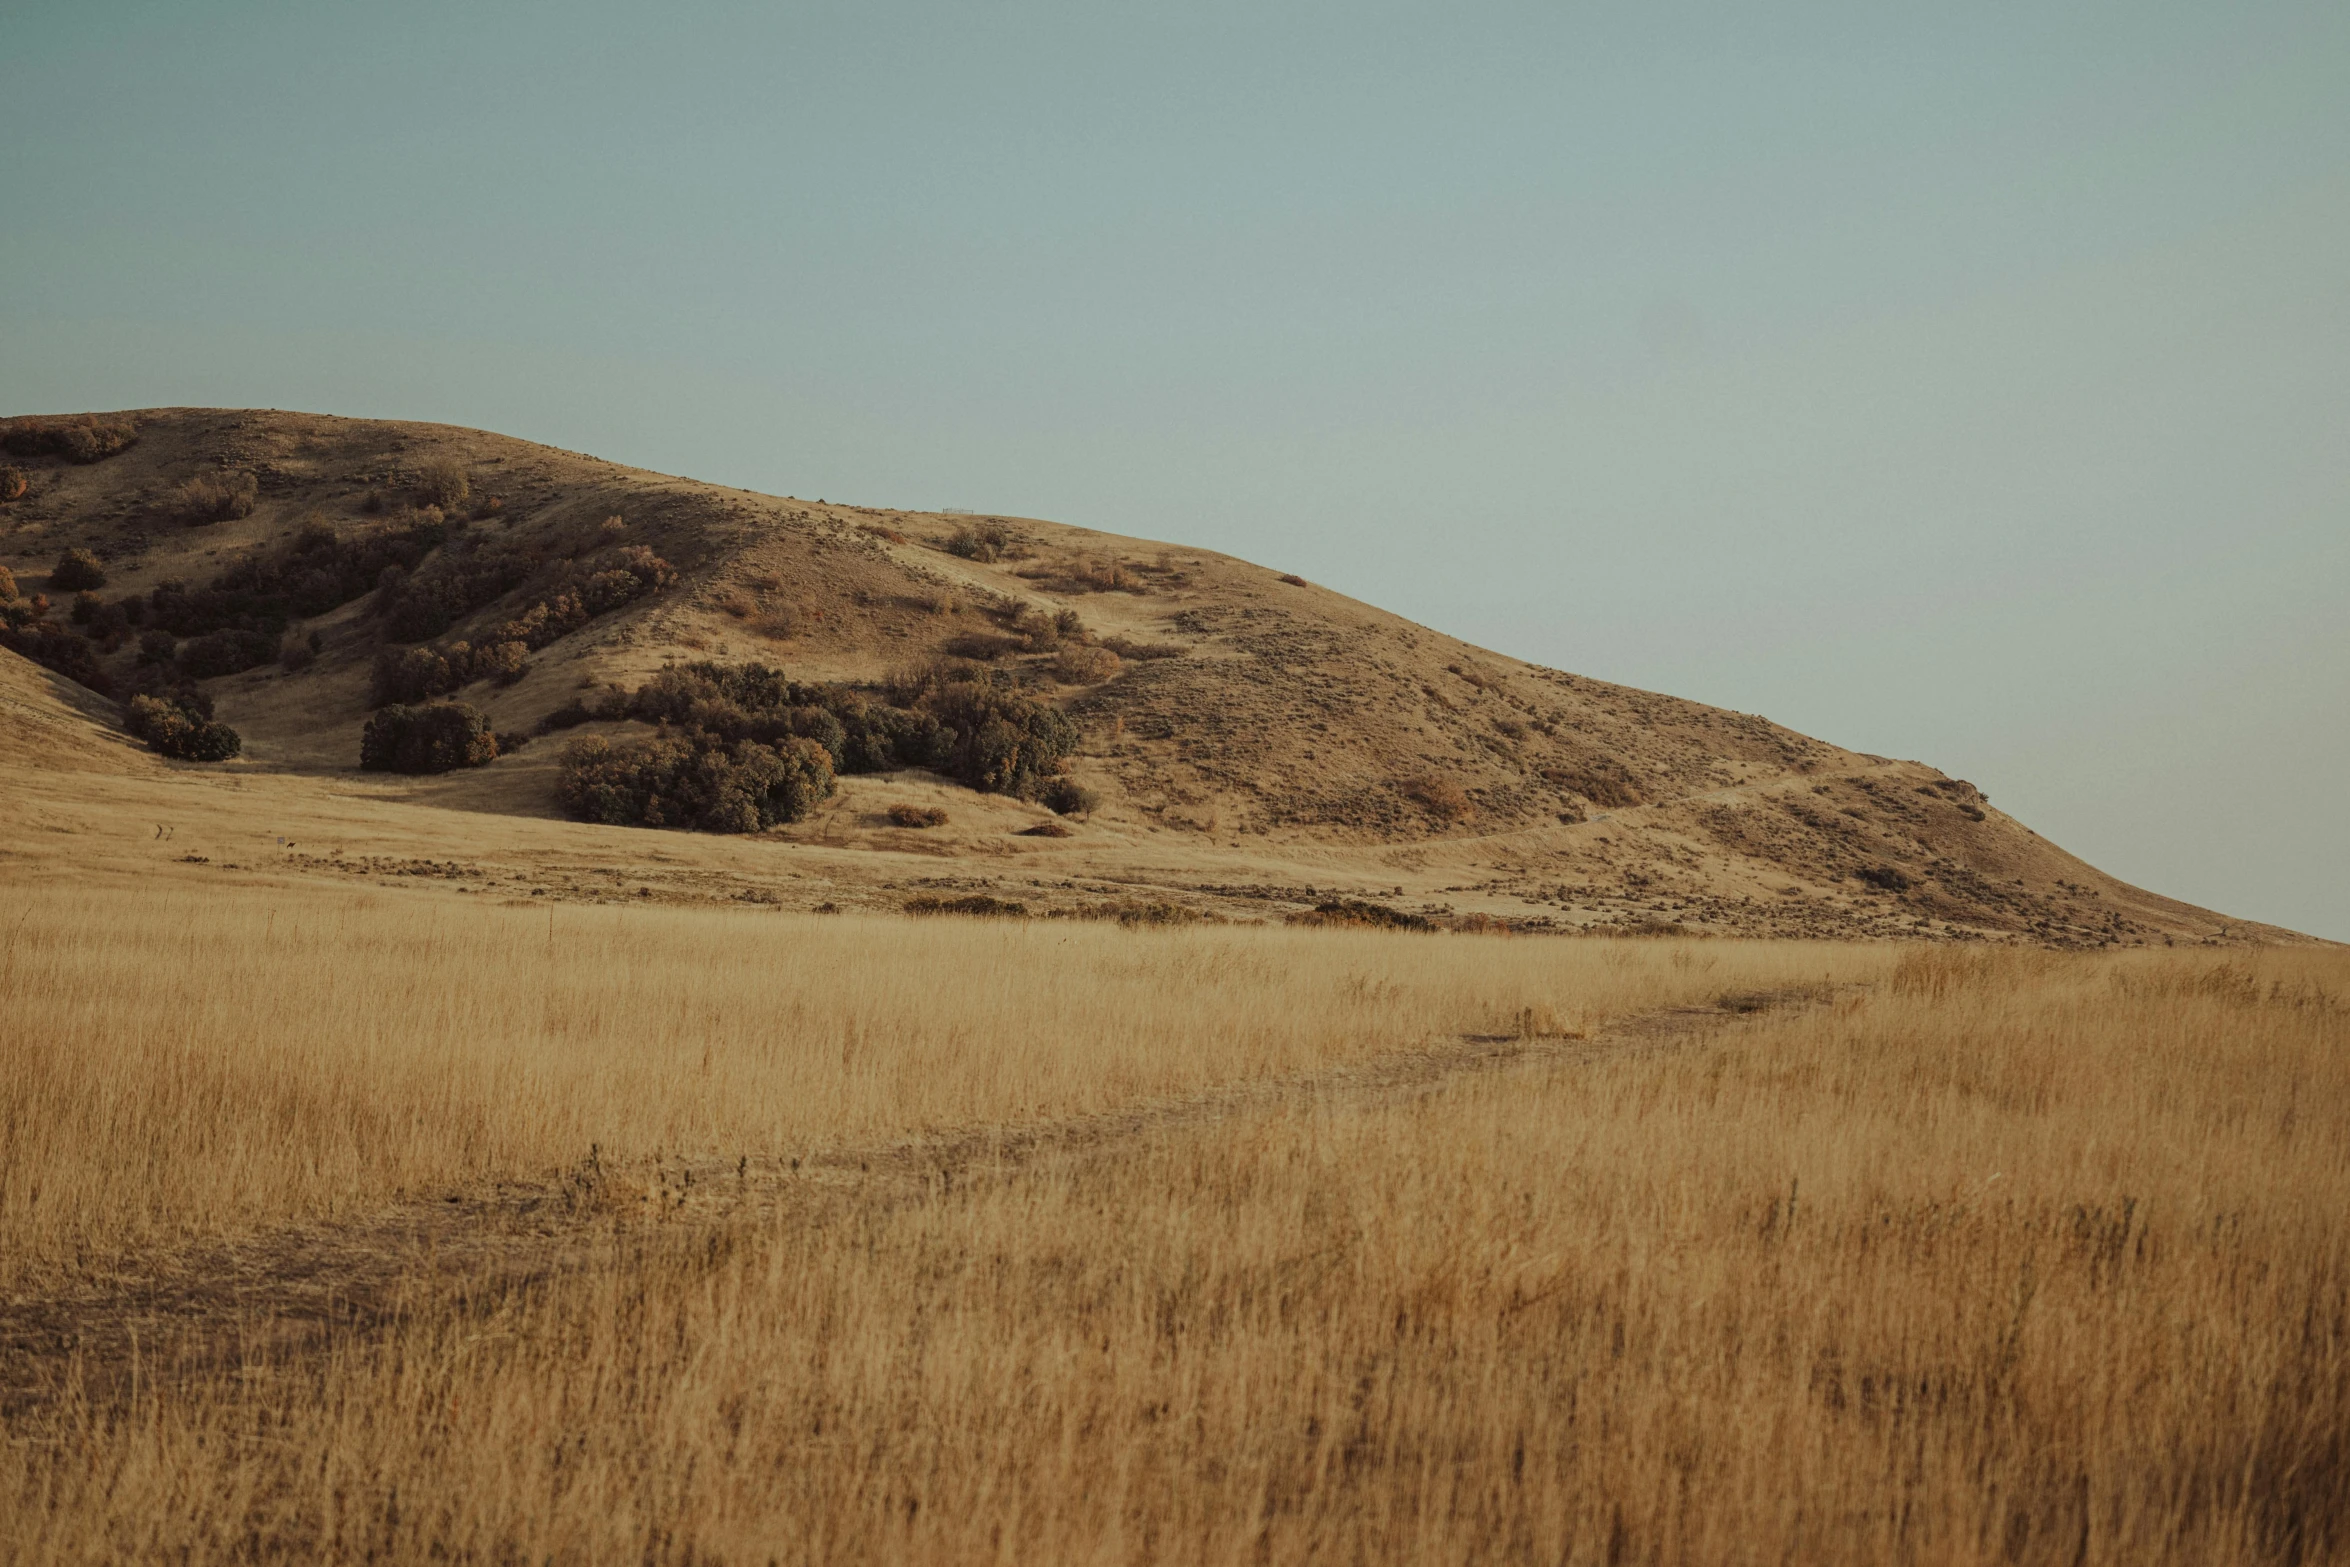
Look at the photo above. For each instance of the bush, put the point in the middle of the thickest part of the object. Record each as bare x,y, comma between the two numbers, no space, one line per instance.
1294,580
1067,797
28,631
417,674
695,779
464,579
1142,652
1602,781
180,725
13,484
217,497
81,438
442,482
437,738
77,571
226,653
1885,878
1084,666
1360,914
985,541
917,816
7,585
299,651
1440,797
571,715
318,570
157,647
1045,830
976,903
954,718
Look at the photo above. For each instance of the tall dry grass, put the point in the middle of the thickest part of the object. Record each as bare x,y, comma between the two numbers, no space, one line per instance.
2020,1258
172,1063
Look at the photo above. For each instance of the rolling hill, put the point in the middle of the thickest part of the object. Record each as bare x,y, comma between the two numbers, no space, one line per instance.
1253,745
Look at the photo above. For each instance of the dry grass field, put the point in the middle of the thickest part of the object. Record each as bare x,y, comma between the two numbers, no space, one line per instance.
1052,1241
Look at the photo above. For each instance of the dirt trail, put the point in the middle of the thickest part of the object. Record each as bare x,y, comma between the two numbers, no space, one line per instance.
286,1292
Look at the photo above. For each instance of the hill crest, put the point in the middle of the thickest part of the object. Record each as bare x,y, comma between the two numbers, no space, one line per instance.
1256,742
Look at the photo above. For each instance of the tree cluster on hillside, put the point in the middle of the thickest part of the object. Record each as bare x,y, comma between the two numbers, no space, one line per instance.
742,743
437,737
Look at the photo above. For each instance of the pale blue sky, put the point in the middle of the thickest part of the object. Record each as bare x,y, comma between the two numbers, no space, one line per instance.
1967,383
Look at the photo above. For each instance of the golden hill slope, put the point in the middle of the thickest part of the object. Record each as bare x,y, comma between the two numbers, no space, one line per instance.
1284,745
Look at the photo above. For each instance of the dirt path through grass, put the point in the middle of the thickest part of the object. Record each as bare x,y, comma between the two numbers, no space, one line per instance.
298,1289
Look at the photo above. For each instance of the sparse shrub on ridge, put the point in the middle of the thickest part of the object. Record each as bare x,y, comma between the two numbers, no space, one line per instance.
217,497
442,482
903,815
77,571
78,438
986,541
13,484
435,738
180,725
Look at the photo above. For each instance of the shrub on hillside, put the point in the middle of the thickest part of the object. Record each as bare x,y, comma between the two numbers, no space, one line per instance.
955,718
436,738
1601,780
418,674
1440,797
442,482
25,629
217,497
81,438
299,651
1065,796
986,541
1142,652
180,725
694,779
7,585
13,484
978,903
1358,913
1084,666
228,652
316,571
917,816
473,573
77,571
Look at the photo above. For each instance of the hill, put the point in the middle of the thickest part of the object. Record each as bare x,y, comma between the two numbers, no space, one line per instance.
1251,745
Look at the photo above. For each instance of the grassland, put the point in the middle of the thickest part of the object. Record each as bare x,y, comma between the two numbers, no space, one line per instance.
1186,1245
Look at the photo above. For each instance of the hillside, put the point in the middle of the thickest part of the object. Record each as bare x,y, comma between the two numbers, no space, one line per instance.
1257,745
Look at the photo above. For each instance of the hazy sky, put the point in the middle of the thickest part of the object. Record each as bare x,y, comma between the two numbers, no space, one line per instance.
1961,382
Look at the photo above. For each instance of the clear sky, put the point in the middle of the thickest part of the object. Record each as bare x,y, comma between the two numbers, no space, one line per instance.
1962,382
